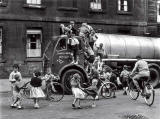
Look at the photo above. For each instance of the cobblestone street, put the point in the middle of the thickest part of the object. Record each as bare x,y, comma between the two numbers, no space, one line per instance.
121,107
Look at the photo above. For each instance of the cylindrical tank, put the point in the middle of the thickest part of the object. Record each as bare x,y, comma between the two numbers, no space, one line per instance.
128,47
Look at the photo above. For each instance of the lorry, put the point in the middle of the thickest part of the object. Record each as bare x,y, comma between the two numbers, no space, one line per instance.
119,50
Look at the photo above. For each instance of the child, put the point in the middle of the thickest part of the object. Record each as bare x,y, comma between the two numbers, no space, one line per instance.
12,78
36,91
16,93
15,72
124,76
93,90
77,92
49,77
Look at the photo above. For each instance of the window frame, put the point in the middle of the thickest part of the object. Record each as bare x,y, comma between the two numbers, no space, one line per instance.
130,4
31,5
65,8
95,9
98,11
158,11
3,3
29,31
1,40
59,42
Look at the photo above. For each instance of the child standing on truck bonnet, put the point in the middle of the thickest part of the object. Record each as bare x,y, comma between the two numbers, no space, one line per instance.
36,92
12,79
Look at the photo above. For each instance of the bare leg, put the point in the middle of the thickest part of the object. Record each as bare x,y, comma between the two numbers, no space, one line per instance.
79,103
136,84
74,102
94,104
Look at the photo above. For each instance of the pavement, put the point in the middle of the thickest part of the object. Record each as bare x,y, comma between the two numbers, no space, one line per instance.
121,107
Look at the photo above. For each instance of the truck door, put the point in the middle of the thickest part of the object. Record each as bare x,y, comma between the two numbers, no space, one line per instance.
61,56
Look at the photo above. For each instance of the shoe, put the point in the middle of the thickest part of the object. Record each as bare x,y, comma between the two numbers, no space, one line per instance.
79,107
36,106
114,96
73,106
13,105
93,105
20,107
96,98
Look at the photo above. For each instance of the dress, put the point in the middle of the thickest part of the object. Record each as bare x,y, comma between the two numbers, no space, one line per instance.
36,91
77,92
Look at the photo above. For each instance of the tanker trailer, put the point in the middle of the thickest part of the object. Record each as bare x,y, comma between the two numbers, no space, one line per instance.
122,50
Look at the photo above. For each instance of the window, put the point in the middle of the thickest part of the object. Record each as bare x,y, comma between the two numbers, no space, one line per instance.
95,5
1,1
123,5
62,44
158,11
68,3
0,42
34,38
34,2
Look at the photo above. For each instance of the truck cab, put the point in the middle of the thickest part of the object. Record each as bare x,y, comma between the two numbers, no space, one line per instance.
58,56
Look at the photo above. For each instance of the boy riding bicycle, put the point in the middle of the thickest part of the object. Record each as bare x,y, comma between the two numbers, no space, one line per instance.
141,69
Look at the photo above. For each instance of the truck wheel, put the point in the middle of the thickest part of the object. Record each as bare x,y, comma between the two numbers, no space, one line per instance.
154,74
67,76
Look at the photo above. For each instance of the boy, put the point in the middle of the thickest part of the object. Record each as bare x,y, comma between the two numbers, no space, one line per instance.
124,76
16,87
12,79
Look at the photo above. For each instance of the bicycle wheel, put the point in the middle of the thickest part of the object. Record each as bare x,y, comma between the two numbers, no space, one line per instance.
133,92
150,94
56,92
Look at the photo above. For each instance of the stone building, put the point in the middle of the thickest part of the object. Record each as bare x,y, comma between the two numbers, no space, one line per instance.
27,25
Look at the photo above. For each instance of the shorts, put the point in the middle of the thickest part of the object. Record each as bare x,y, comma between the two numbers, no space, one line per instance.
125,82
141,74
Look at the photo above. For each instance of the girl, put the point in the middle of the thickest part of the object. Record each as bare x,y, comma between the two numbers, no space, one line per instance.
77,92
36,91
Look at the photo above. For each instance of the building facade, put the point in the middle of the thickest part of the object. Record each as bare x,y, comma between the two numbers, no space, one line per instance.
26,26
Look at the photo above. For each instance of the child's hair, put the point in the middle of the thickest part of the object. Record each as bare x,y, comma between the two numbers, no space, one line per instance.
76,76
37,73
16,66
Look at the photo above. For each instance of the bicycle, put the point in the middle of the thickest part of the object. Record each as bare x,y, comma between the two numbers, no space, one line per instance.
106,89
147,92
54,95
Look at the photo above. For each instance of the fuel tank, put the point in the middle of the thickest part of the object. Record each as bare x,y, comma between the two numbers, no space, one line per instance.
128,47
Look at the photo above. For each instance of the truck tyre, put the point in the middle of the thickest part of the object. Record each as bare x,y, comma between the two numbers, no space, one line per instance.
154,74
67,76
